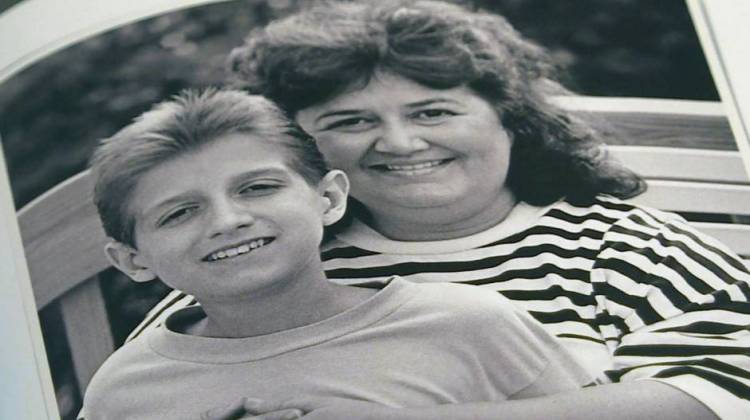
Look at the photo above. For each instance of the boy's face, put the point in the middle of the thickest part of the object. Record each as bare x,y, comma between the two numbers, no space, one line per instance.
228,219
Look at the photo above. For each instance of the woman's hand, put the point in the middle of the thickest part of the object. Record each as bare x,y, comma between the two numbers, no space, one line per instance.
251,408
624,400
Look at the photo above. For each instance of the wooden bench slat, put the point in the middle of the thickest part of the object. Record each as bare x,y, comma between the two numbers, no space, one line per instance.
736,237
656,122
649,106
682,164
695,197
87,329
63,238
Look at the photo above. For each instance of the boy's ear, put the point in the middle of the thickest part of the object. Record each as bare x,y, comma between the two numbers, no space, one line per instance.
334,187
125,258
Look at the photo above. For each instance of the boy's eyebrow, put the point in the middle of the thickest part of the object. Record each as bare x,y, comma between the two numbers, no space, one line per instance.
347,112
186,196
190,195
270,170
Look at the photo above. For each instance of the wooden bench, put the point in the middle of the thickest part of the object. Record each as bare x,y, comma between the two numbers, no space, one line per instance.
693,181
63,242
63,239
696,181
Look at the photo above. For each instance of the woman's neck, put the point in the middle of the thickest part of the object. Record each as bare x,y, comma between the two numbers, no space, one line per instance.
444,223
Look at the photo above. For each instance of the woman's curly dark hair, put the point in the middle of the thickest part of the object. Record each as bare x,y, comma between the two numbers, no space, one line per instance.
318,53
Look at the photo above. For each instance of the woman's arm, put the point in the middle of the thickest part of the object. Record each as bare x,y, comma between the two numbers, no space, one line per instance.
674,306
623,401
628,400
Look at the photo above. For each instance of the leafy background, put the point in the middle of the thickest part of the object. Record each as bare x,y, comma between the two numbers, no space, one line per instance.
54,112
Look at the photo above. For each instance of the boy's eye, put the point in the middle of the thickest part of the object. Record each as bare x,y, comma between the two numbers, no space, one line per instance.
259,188
432,115
354,124
176,216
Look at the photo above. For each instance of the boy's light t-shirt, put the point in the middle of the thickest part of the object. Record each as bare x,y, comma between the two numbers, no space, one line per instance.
408,345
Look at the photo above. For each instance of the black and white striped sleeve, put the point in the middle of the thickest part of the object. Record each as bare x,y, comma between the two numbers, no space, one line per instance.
673,306
173,302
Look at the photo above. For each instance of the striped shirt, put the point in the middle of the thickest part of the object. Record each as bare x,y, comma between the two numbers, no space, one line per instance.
633,292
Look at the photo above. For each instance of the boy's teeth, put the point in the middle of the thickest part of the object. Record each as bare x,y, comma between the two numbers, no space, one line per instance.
233,252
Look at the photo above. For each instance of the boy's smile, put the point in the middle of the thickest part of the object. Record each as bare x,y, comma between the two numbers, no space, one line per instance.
242,249
228,219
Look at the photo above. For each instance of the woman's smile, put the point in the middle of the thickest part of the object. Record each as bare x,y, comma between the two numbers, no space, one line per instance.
412,168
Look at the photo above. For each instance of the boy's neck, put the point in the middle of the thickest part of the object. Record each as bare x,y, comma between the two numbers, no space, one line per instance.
291,305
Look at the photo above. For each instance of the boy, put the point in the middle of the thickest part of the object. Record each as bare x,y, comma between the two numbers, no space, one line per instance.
219,195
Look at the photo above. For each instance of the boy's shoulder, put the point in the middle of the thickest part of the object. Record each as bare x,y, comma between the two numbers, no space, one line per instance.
115,372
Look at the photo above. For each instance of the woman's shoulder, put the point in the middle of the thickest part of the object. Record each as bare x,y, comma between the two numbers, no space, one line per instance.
646,239
610,210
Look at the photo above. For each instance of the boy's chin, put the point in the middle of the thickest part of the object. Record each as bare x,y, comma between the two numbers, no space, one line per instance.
242,287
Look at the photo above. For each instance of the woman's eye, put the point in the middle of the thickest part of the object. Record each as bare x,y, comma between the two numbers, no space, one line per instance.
433,115
351,124
176,216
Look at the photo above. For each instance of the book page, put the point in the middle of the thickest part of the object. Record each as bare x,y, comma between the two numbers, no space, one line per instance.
53,38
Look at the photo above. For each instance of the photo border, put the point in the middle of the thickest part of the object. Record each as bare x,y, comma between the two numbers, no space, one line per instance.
723,33
26,380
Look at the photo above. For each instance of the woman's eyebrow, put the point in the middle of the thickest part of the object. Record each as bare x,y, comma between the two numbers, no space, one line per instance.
431,101
349,112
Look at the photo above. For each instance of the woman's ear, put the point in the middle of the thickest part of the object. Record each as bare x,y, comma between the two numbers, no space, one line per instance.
334,188
126,259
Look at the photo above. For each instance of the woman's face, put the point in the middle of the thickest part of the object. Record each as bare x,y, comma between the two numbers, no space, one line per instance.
441,155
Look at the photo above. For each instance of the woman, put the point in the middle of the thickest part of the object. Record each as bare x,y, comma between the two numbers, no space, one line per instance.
463,171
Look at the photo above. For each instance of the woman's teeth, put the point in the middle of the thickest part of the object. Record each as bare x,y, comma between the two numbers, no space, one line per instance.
412,169
242,249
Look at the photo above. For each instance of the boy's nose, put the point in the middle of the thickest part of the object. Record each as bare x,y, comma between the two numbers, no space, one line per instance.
229,217
396,139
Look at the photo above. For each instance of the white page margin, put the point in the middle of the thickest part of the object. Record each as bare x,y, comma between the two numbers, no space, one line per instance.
30,31
723,27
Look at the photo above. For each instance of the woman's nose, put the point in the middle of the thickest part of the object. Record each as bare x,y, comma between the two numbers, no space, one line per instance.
230,216
396,139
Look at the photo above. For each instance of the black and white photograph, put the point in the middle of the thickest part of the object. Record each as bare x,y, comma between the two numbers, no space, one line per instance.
360,209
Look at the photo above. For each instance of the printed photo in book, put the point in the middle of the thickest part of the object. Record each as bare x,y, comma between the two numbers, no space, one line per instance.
572,159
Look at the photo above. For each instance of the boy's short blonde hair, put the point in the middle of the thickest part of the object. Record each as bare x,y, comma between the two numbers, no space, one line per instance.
182,124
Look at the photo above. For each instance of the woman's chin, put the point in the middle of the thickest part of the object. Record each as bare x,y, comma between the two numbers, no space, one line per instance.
440,205
424,198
